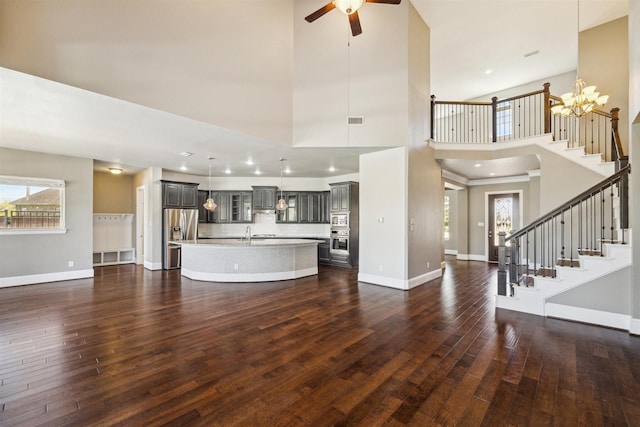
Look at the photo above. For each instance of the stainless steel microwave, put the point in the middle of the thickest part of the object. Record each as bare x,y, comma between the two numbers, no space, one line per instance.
340,220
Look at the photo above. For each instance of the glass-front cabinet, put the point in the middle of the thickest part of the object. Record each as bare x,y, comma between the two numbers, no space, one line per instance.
290,214
241,207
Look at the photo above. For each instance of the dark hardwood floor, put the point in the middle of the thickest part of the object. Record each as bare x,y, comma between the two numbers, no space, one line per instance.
139,348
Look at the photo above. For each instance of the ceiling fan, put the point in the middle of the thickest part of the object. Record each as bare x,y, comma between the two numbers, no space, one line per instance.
349,8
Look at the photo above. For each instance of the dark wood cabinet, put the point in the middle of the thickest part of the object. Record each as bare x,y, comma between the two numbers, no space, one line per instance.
202,212
324,255
341,197
264,198
305,207
179,195
325,207
232,206
344,200
310,210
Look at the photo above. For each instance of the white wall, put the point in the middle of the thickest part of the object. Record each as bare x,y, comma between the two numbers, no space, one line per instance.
38,258
559,84
228,63
337,75
383,219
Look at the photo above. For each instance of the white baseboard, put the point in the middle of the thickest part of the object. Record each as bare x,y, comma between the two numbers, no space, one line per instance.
404,285
451,252
248,277
152,265
471,257
586,315
6,282
634,326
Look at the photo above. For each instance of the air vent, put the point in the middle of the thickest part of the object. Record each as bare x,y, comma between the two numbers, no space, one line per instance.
359,121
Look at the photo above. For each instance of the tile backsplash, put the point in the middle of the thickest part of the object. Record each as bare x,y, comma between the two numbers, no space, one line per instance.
264,223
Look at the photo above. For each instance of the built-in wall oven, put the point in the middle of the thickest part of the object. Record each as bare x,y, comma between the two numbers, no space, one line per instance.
339,241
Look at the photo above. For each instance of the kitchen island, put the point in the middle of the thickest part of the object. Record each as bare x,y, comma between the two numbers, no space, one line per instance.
257,260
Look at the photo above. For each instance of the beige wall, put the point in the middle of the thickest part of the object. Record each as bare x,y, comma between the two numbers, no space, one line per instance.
634,107
561,179
113,193
50,254
604,62
174,56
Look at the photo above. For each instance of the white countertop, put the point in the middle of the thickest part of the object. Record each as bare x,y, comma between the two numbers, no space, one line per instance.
256,242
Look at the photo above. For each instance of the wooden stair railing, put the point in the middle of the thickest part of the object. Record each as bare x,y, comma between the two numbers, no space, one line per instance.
578,227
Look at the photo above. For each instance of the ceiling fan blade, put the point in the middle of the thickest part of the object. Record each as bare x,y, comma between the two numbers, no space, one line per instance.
384,1
318,13
355,24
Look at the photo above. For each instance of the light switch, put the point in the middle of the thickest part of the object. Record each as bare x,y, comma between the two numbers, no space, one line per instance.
481,224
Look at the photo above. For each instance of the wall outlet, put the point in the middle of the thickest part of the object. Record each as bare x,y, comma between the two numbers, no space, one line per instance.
71,263
381,220
235,266
380,268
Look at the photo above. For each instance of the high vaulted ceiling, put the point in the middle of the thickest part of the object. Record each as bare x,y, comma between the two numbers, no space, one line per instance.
467,39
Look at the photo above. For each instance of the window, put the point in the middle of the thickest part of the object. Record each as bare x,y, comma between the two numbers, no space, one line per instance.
31,204
446,218
503,119
503,220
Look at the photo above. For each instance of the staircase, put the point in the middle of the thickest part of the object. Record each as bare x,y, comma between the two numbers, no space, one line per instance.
530,294
593,162
575,247
584,240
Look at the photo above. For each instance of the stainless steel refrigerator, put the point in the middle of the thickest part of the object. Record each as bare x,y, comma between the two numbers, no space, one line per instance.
178,225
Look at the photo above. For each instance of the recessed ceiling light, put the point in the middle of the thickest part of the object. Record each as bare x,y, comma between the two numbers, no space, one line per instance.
332,169
492,174
477,165
185,154
488,71
115,171
227,171
250,162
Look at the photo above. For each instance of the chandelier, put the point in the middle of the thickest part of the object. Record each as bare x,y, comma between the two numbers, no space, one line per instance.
282,204
210,205
584,98
581,101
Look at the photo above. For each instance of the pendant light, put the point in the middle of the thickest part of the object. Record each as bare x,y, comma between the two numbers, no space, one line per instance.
584,98
282,205
210,205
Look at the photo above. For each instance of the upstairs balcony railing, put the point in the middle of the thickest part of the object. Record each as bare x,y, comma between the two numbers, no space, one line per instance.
523,116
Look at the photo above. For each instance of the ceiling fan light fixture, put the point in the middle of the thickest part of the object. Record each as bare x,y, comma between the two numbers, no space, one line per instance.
348,6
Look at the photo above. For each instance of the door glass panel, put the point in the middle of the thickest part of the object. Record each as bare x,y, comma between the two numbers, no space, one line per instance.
503,220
